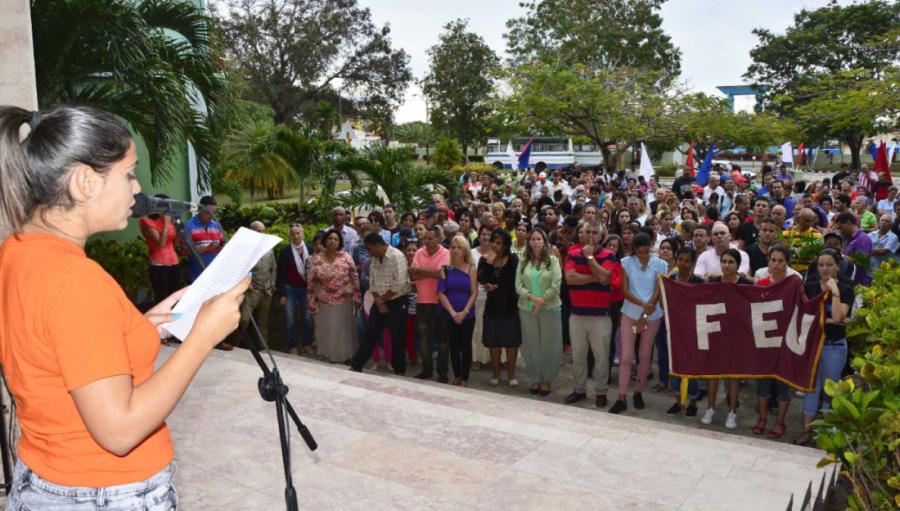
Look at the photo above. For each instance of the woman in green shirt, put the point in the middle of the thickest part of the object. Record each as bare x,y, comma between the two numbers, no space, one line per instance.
537,283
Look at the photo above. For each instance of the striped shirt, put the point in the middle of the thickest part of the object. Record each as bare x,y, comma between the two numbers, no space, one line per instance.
592,299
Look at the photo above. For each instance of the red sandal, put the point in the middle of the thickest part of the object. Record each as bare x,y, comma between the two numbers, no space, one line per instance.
775,435
760,427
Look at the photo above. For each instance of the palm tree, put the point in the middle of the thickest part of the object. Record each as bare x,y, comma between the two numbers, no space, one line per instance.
255,159
148,62
311,156
406,185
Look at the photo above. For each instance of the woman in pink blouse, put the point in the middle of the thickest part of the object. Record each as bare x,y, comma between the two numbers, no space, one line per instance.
165,272
333,294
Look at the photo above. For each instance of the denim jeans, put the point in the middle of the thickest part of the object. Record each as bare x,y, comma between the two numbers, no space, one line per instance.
834,356
296,297
662,353
31,492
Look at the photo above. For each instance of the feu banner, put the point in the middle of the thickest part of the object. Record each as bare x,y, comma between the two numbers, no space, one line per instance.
722,330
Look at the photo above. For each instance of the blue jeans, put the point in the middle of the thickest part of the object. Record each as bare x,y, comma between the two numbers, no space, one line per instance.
693,387
834,356
296,297
31,492
662,353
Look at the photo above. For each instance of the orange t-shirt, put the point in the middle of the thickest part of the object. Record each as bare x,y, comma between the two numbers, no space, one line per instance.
64,323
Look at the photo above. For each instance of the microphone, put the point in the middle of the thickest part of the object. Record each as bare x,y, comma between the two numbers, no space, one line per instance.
146,205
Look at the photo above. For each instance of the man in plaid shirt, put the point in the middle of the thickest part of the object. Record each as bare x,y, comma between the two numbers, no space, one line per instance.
389,284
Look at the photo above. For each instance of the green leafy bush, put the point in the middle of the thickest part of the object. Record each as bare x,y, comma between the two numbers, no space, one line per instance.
447,154
666,170
127,262
862,432
233,217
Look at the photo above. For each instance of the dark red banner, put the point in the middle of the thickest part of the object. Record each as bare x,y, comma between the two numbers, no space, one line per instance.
724,330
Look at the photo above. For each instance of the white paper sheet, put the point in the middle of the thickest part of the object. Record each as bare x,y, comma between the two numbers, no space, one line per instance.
239,256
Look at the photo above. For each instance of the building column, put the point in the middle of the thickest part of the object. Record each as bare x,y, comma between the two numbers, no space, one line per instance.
17,79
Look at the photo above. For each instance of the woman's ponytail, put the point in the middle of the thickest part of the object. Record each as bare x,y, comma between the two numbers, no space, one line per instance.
35,170
16,201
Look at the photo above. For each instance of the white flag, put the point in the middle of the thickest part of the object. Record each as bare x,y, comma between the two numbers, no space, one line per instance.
646,167
511,153
787,153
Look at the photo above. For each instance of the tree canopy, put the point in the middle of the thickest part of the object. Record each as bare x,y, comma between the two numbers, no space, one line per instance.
460,82
295,53
147,62
811,71
603,35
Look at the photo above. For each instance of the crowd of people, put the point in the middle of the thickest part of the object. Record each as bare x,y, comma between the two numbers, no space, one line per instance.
548,263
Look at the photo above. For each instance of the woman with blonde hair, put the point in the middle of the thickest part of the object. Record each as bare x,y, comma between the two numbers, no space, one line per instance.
457,290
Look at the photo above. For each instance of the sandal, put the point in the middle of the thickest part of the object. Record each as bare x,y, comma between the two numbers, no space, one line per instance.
659,387
534,390
775,435
760,427
545,389
804,439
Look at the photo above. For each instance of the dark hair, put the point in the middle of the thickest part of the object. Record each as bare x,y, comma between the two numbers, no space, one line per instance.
702,227
376,217
844,199
155,216
673,244
529,253
846,218
337,233
760,199
208,200
570,221
505,238
770,220
483,227
615,237
689,250
780,247
412,217
373,239
734,253
712,212
34,171
834,254
641,239
318,237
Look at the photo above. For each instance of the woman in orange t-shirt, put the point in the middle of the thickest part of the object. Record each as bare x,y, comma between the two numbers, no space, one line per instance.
77,355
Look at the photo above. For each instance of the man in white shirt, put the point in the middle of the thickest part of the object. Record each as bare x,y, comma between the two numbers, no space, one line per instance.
708,264
711,188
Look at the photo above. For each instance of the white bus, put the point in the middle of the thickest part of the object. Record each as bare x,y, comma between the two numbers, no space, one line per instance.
546,152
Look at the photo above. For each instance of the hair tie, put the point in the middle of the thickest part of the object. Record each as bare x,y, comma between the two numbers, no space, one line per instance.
35,119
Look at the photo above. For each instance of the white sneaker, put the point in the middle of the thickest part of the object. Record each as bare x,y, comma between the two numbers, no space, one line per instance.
708,416
514,383
731,420
494,381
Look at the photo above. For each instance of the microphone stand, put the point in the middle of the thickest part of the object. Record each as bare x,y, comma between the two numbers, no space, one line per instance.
271,387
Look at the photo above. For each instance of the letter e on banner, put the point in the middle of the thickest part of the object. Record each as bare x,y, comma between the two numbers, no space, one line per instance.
705,327
758,311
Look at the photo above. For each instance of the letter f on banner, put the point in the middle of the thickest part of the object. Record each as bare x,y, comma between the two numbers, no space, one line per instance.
705,327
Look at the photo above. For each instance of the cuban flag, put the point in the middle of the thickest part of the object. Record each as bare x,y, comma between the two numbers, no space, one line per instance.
703,173
525,155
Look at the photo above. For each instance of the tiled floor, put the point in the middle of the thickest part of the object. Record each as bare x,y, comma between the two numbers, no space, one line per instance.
395,443
387,442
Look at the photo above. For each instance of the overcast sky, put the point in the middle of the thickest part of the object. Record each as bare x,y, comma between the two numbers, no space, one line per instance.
714,36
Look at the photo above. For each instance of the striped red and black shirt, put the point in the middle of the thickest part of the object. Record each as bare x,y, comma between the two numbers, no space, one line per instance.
593,299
